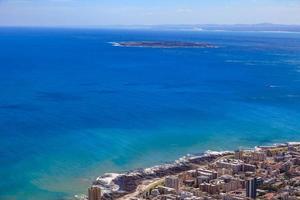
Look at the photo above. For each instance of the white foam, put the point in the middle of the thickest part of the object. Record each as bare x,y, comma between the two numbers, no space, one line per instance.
274,86
115,44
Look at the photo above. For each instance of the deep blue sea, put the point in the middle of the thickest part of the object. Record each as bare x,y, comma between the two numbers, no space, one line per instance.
73,107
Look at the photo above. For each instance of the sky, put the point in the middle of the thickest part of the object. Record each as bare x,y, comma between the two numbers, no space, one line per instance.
150,12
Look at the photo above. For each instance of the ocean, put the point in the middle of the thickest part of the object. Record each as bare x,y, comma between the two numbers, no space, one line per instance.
73,106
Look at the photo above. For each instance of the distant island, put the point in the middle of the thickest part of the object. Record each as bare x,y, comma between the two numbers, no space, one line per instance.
164,44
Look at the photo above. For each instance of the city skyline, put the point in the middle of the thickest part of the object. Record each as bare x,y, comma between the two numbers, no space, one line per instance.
133,12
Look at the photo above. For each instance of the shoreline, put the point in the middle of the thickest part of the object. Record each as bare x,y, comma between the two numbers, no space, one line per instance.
120,185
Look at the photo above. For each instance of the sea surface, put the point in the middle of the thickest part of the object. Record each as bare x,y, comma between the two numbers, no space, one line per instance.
72,106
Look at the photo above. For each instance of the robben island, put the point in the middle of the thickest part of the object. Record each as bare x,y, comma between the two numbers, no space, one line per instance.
265,172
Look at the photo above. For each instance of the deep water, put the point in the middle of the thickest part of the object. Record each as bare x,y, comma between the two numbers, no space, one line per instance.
73,107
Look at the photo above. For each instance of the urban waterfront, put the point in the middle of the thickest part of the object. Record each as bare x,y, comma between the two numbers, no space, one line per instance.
264,172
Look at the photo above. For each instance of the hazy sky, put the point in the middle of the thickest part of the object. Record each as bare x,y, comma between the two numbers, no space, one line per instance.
132,12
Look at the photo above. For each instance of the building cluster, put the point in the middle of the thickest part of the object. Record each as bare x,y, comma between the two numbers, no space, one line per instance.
267,173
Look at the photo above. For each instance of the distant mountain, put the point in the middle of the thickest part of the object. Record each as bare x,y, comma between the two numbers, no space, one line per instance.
219,27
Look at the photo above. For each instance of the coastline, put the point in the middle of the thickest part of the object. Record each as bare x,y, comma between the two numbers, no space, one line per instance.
127,184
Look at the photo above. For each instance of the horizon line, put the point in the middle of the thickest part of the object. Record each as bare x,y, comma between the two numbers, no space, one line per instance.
147,25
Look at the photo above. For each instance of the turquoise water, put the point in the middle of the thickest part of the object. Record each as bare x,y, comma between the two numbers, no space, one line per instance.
73,107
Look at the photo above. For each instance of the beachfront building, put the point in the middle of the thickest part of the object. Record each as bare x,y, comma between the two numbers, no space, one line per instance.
172,182
238,154
94,193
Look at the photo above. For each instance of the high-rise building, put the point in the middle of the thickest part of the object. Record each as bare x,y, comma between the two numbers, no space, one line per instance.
209,173
94,193
233,164
238,154
259,156
251,187
172,182
210,188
